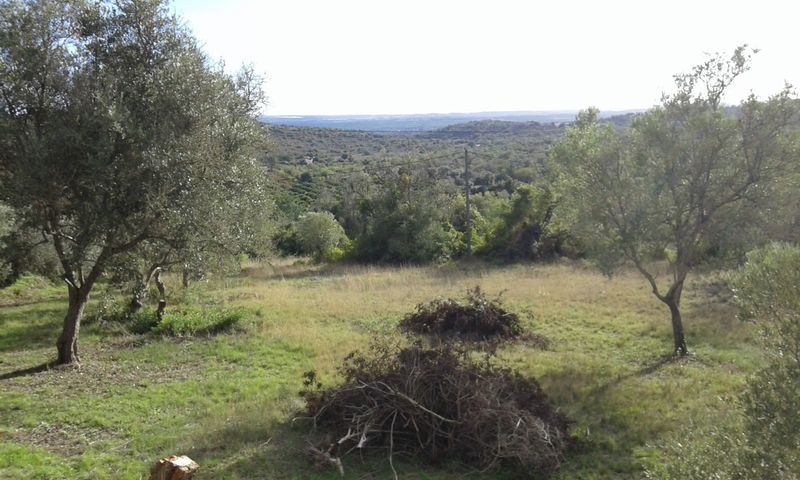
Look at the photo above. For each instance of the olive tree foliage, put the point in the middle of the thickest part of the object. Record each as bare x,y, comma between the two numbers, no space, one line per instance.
228,216
114,130
686,174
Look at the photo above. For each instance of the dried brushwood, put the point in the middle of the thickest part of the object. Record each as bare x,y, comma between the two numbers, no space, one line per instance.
436,404
476,319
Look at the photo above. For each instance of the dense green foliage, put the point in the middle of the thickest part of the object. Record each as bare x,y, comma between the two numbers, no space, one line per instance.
400,196
117,136
767,293
320,235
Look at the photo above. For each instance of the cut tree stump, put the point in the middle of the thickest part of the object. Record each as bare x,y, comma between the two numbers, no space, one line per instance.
174,468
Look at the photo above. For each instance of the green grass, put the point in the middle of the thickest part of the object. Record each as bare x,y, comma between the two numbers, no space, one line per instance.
228,400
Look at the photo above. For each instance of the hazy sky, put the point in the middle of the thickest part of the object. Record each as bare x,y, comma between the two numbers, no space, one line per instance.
426,56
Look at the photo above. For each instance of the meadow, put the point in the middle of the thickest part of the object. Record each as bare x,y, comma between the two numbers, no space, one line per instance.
230,401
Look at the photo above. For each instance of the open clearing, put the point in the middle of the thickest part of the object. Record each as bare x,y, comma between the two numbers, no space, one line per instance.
228,401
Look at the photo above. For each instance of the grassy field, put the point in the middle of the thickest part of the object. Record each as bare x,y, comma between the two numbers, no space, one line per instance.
228,400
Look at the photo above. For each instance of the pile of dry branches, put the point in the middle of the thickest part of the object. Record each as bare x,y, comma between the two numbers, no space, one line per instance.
436,404
476,319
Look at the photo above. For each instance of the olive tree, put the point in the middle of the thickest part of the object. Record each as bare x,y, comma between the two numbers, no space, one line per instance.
684,175
112,124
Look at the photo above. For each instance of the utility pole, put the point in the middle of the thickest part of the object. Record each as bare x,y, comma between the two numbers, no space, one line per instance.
468,205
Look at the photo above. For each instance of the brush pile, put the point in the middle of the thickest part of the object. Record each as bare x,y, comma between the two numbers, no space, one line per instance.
438,404
476,319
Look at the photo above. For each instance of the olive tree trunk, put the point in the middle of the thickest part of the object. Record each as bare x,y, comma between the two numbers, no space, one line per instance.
140,290
67,344
673,301
162,293
138,297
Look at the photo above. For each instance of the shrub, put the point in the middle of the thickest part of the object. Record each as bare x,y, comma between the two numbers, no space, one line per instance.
766,291
141,322
320,235
194,322
438,404
404,228
527,229
177,322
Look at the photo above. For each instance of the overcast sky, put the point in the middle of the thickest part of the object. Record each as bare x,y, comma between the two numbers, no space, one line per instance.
435,56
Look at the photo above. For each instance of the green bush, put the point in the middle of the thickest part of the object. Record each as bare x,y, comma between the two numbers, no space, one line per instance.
177,322
194,322
766,290
321,236
141,322
415,231
526,229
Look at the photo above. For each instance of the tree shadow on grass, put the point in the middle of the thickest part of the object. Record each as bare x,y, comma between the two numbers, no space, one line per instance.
649,369
279,449
616,413
27,371
252,449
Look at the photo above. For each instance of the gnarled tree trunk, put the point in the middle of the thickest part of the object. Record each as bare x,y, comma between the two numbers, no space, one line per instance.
68,340
162,293
140,290
138,297
673,301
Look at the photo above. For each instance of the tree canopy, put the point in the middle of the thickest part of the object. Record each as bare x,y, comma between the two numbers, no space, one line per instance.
685,176
114,129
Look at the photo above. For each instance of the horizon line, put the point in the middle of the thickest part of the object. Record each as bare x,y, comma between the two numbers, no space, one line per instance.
483,112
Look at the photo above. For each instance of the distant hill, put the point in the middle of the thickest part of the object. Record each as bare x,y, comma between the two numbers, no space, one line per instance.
422,122
329,146
313,167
